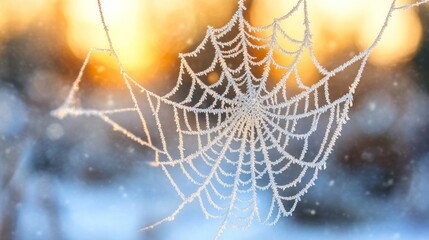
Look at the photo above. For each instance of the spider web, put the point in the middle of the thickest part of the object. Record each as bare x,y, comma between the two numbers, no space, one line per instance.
240,138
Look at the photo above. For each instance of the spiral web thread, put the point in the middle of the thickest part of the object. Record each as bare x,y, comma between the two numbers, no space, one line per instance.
252,140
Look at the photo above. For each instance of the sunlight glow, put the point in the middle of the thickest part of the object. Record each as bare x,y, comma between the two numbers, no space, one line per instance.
147,35
400,41
85,31
17,15
348,26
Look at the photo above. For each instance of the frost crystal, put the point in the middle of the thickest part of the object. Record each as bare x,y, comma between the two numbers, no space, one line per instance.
252,139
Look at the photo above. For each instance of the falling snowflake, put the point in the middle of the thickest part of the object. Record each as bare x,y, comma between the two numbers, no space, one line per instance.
250,138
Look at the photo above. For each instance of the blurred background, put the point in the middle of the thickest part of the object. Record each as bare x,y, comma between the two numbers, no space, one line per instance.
77,179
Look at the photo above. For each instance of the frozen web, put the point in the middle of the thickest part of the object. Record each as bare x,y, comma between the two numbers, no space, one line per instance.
240,139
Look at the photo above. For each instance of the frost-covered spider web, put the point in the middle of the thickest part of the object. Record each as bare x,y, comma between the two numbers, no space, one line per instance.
246,135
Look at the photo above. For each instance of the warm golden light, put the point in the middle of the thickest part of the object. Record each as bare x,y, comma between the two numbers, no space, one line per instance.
347,25
149,34
263,12
146,34
17,15
400,41
130,31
